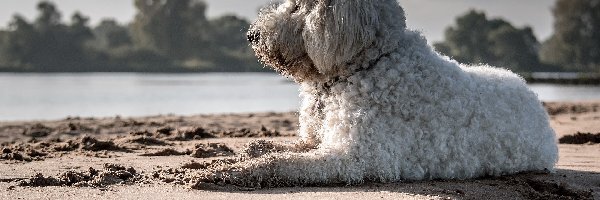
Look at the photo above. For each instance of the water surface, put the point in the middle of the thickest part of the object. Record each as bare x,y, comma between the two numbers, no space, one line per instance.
56,96
52,96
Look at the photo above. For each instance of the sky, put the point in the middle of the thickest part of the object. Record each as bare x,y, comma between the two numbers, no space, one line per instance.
431,17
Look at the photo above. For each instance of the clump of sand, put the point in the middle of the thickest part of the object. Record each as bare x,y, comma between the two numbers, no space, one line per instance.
110,175
212,150
167,152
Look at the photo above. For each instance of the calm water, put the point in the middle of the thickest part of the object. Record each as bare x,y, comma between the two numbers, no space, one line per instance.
56,96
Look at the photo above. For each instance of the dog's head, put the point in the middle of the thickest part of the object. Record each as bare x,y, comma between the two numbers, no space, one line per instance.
315,39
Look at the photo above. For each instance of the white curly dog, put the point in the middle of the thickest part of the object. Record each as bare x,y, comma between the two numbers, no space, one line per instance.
379,104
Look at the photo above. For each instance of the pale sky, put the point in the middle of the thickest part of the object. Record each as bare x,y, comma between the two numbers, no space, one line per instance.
429,16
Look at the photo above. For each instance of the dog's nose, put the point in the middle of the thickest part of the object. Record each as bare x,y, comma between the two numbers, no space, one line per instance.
253,36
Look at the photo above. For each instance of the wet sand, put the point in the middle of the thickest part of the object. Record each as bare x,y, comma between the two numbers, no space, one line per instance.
158,157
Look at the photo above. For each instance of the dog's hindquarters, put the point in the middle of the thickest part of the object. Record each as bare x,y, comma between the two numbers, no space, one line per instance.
520,136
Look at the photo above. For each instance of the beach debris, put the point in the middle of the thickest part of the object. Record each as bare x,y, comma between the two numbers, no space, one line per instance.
75,128
20,153
195,165
248,132
211,150
141,133
195,133
37,130
14,156
167,152
110,175
580,138
92,144
144,140
36,153
166,130
88,143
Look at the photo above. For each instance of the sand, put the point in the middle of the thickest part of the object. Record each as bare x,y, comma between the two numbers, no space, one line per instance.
158,157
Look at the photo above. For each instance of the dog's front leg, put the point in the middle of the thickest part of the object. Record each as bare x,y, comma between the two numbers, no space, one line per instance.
316,167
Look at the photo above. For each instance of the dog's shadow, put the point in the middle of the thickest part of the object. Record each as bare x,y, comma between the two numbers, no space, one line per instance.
564,184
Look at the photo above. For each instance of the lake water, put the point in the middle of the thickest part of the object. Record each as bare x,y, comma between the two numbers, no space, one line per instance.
56,96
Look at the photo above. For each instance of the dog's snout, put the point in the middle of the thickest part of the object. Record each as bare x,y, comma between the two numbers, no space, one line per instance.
253,36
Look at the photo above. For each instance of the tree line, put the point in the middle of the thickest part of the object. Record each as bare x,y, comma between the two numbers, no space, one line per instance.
165,36
574,46
176,36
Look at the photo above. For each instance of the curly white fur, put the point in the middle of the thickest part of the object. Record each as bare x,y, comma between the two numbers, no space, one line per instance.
379,104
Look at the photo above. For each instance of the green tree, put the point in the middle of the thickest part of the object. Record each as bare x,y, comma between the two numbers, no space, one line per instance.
516,49
166,36
229,32
59,47
170,27
467,40
476,39
79,29
48,51
3,40
179,30
49,17
47,44
575,44
19,43
227,39
75,49
109,35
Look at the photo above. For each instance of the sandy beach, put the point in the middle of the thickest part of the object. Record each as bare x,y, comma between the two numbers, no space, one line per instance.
157,157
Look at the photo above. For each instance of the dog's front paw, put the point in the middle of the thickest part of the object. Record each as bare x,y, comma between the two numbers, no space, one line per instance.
247,175
224,179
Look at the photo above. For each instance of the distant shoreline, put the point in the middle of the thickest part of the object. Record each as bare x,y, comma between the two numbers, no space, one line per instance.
157,71
568,78
563,78
141,72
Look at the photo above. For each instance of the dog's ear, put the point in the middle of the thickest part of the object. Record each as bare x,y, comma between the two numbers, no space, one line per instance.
336,30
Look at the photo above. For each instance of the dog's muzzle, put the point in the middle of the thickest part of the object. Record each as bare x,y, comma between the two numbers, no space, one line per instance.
253,36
